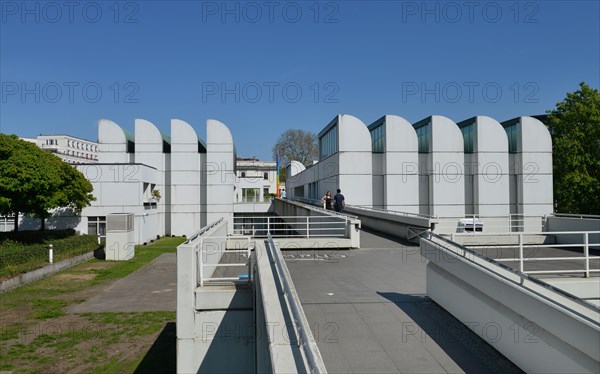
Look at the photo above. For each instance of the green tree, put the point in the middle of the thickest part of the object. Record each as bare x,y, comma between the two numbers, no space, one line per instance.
575,129
296,145
33,181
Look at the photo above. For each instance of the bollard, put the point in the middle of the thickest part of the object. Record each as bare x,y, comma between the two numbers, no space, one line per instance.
50,253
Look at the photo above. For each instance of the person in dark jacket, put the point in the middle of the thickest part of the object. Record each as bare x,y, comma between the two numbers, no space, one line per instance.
339,201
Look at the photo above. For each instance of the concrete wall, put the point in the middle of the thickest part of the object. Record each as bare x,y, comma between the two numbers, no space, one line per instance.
220,172
558,224
149,151
404,226
531,192
489,169
444,169
119,188
537,328
215,324
400,167
112,145
395,171
185,178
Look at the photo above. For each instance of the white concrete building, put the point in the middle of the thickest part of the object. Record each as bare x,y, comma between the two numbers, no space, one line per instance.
255,179
434,167
173,185
345,161
530,168
71,149
395,165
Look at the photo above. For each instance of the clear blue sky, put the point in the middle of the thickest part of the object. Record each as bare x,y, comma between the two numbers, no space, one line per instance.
286,65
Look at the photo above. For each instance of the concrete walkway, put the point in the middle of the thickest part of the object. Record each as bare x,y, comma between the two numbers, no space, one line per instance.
151,288
369,314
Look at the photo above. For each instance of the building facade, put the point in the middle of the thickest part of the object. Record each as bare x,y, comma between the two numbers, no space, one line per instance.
434,167
256,180
174,185
71,149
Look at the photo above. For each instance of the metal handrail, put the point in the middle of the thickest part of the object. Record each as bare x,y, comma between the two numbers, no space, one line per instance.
201,265
521,245
394,212
203,230
306,341
429,235
307,224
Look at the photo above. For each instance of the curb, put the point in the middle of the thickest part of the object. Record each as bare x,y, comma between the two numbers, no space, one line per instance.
40,273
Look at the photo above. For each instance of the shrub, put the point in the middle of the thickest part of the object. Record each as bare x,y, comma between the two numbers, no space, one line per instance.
24,251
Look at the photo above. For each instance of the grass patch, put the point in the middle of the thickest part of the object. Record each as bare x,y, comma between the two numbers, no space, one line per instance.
37,334
48,308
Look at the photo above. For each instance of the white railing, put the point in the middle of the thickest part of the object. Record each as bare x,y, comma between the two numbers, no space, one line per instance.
205,249
509,223
571,215
521,245
291,226
305,339
393,212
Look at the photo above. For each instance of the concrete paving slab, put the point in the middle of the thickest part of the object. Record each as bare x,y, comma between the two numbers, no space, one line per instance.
375,298
151,288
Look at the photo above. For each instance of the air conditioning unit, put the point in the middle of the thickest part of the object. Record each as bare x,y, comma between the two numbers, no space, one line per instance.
470,225
120,237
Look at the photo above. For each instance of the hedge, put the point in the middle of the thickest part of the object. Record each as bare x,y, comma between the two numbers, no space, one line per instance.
28,250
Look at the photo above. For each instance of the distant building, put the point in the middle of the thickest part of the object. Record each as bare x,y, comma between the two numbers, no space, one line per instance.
71,149
255,179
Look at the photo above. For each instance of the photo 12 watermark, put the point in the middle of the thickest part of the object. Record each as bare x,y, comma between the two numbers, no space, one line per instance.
51,12
470,92
453,12
70,92
490,331
249,12
270,92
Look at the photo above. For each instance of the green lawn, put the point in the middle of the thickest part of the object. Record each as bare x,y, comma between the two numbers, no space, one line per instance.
38,334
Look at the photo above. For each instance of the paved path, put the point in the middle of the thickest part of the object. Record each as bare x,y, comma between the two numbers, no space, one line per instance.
151,288
369,313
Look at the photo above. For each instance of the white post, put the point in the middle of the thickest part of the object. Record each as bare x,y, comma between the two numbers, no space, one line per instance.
249,261
307,228
521,253
50,253
452,236
268,225
201,264
586,253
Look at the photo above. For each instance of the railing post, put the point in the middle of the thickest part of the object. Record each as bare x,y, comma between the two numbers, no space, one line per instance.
249,262
201,264
586,253
307,228
521,267
452,236
268,225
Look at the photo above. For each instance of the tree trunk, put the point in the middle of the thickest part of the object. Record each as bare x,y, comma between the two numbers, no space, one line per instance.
43,224
17,221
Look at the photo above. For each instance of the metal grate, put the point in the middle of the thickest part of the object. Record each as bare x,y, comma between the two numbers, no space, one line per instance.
119,222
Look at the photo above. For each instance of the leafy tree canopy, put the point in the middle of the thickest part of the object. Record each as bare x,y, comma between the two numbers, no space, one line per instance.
33,181
575,129
296,145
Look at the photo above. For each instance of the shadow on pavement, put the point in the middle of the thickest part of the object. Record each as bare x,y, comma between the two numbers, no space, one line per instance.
467,349
162,356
